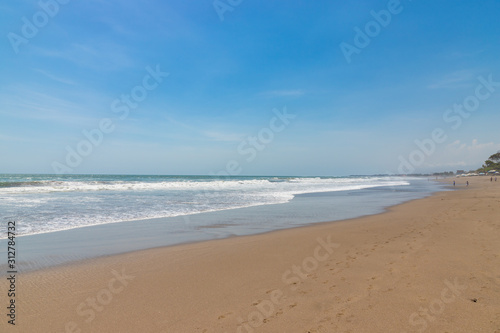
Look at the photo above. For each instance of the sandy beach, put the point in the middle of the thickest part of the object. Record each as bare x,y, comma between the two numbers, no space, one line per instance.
232,166
429,265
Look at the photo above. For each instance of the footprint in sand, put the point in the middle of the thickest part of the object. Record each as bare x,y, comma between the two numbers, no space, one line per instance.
355,298
224,315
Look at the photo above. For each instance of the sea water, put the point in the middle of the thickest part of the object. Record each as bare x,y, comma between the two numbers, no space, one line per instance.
49,203
66,218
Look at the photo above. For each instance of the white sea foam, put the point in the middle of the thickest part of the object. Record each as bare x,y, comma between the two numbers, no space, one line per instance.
46,205
300,184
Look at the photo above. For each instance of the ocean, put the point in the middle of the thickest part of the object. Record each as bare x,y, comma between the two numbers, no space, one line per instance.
49,203
63,218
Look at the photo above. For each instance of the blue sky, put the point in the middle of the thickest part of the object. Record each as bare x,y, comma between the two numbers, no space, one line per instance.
225,78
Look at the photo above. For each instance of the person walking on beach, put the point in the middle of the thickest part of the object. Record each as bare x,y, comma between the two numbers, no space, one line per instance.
491,179
453,183
467,183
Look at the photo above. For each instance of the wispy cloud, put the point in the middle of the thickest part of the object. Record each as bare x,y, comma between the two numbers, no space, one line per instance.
211,135
283,93
457,79
180,124
98,56
474,146
55,78
10,138
220,136
459,154
28,104
466,54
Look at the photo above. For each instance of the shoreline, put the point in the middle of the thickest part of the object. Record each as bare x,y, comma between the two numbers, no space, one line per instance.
84,261
50,249
49,204
191,214
384,269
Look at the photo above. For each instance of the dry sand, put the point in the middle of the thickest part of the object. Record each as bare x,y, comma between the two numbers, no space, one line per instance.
416,268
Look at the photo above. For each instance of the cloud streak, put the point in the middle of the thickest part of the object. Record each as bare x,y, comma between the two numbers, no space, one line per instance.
284,93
